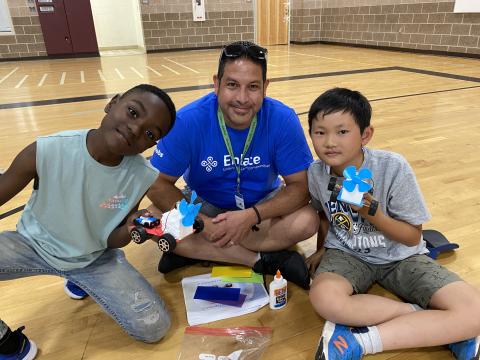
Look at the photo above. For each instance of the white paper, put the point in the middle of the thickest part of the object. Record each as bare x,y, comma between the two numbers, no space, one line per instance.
203,311
355,197
172,224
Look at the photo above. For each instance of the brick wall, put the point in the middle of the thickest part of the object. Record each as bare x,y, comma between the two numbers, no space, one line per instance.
168,24
305,25
27,40
416,25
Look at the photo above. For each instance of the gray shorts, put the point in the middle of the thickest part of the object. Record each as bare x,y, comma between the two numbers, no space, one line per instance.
211,210
414,279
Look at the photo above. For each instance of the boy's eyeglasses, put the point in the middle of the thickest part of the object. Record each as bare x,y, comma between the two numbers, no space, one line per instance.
256,52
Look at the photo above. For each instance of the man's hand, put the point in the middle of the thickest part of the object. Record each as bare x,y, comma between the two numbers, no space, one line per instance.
236,225
212,231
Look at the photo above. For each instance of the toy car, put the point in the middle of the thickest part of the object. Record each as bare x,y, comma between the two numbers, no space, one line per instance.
355,198
169,229
148,222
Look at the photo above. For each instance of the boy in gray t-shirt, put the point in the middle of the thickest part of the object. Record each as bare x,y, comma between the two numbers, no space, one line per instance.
386,247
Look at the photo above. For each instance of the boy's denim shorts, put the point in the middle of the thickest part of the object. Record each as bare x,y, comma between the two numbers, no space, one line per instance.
414,279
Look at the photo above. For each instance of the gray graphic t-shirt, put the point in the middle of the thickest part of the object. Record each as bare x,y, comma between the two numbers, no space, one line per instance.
398,194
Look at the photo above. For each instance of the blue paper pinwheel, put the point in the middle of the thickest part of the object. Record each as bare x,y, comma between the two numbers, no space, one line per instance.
353,178
355,185
189,211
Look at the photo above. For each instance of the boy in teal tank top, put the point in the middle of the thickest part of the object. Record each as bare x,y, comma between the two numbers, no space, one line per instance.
88,187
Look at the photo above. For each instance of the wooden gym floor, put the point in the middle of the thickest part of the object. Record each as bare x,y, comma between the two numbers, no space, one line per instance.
425,107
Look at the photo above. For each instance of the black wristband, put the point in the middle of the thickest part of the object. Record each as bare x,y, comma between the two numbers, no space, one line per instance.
259,218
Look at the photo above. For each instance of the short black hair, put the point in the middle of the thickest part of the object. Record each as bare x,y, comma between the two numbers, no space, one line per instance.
224,59
158,92
345,100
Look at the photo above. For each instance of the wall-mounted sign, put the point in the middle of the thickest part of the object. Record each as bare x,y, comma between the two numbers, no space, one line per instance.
466,6
198,10
46,9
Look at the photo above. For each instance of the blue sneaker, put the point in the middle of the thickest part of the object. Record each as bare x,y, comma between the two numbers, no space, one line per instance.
26,351
338,343
466,350
74,291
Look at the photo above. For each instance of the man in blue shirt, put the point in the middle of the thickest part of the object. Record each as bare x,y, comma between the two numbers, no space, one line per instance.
231,146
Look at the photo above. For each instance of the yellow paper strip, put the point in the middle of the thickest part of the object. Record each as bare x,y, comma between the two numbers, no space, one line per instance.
231,271
255,278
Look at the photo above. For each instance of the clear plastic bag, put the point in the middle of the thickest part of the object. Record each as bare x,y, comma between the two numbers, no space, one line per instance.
242,343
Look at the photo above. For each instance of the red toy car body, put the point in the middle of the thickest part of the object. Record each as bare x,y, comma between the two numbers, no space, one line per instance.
148,226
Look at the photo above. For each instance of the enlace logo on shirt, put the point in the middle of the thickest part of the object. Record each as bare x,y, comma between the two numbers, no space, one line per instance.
158,152
209,164
247,161
115,202
229,163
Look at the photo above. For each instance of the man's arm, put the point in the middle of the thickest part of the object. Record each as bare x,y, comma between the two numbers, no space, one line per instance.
163,193
293,197
22,170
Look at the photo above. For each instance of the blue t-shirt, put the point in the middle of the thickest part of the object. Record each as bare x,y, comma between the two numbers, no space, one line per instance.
196,149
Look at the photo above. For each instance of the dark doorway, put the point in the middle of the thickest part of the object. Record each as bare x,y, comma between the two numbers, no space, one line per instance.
67,26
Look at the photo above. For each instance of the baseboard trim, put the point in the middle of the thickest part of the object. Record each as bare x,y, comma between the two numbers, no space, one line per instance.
390,48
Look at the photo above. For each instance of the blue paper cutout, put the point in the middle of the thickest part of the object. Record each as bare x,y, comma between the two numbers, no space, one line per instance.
238,303
353,178
217,293
189,211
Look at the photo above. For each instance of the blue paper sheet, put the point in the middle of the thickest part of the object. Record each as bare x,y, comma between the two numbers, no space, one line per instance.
217,293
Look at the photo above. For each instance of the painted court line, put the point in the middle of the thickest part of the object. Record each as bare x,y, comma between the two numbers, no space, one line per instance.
186,67
317,56
119,74
101,75
428,140
153,70
166,67
8,75
136,71
21,82
42,80
62,79
82,76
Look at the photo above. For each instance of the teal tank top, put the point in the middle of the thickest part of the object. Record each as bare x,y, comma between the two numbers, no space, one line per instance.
79,201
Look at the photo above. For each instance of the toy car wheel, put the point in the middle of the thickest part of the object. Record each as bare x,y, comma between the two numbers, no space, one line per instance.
198,225
373,208
333,196
138,235
332,183
167,243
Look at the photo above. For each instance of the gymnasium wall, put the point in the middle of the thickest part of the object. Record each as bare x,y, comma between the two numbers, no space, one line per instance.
27,40
168,24
423,25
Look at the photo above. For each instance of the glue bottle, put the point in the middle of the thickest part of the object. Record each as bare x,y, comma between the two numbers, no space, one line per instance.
278,292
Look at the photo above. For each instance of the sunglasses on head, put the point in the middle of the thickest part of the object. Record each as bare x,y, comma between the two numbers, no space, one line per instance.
236,50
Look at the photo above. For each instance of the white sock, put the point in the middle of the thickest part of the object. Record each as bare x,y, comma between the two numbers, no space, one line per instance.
258,257
416,307
369,339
